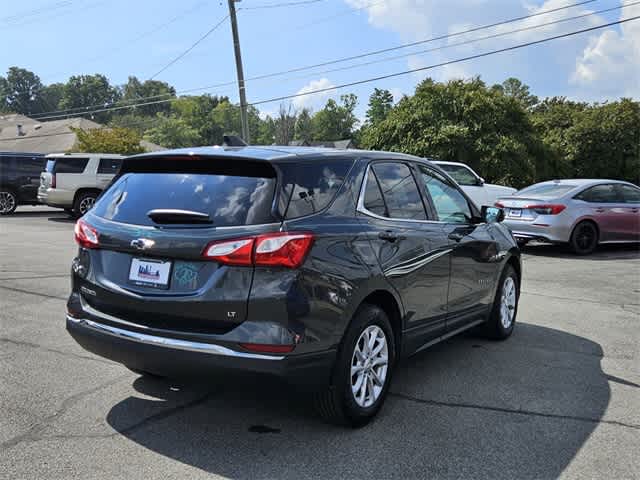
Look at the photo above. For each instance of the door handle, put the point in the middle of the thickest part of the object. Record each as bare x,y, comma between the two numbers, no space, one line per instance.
456,236
390,236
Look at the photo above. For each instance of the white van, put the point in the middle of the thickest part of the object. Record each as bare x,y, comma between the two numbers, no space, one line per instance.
73,181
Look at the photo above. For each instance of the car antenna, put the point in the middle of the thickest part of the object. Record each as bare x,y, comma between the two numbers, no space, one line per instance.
233,141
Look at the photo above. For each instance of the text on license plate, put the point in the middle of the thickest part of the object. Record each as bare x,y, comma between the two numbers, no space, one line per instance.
150,273
515,212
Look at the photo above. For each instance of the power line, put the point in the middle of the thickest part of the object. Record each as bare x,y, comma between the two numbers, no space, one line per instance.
450,62
44,115
406,72
280,5
194,45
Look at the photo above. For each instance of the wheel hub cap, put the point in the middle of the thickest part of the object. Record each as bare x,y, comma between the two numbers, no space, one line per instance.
7,202
369,365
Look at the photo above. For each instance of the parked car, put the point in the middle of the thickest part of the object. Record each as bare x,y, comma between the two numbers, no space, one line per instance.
473,184
582,213
322,267
73,181
19,179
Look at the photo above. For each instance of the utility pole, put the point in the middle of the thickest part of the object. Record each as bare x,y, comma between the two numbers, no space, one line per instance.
236,48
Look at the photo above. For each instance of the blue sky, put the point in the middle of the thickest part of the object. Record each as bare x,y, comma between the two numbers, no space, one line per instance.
118,38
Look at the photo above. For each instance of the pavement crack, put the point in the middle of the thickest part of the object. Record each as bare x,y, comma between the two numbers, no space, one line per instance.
531,413
34,277
29,292
36,346
34,433
584,300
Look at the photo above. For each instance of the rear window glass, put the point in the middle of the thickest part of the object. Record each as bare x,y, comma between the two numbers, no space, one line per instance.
311,185
229,200
67,165
546,190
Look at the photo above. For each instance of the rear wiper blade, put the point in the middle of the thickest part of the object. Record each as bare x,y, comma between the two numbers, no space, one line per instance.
175,216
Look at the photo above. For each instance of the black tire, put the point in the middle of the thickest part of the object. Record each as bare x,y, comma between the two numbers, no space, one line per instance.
584,238
79,206
494,327
8,201
70,212
337,403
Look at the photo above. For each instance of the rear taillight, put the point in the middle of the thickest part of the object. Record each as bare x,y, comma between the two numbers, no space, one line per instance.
498,204
546,209
86,236
53,180
269,250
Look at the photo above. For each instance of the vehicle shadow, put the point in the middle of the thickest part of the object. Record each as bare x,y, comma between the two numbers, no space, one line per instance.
466,408
39,213
603,252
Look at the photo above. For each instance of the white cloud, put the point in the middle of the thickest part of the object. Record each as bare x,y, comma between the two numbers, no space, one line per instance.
610,64
313,100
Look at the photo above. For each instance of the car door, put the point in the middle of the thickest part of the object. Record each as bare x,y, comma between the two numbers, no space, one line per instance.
630,196
412,252
606,206
107,169
28,177
475,256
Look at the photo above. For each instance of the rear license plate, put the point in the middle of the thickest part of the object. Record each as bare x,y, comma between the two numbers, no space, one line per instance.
150,273
515,212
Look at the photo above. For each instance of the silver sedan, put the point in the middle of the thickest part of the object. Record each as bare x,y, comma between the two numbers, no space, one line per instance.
582,213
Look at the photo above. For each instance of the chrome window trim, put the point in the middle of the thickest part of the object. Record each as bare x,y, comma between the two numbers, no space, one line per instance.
174,343
362,209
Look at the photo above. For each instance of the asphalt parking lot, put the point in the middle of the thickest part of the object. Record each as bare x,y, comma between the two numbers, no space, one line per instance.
561,398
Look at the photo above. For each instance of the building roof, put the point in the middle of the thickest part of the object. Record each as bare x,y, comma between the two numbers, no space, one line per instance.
46,137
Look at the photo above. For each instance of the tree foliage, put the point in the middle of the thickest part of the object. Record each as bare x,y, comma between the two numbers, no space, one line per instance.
380,104
94,90
336,121
108,140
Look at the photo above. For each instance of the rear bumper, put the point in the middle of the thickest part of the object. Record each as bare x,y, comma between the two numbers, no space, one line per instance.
524,231
181,358
55,197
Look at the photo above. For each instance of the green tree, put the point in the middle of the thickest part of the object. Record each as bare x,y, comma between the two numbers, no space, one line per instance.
172,132
380,104
304,126
463,121
266,134
50,97
108,140
335,121
22,90
82,91
4,93
512,87
149,91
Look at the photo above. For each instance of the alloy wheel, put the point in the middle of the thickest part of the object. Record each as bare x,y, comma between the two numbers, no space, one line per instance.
369,366
508,302
585,237
86,204
7,202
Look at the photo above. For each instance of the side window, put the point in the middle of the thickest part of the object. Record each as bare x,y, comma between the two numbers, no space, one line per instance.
109,166
71,165
373,200
462,175
450,205
29,166
400,192
629,194
7,166
600,194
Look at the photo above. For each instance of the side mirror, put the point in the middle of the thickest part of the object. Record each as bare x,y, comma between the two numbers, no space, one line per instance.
492,214
480,181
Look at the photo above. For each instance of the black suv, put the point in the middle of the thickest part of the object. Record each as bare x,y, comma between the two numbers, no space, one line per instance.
321,266
19,179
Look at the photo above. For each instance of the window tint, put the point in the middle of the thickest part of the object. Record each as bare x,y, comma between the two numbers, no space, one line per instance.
629,194
29,166
450,205
227,199
69,165
311,185
373,197
109,165
600,194
460,174
400,191
6,164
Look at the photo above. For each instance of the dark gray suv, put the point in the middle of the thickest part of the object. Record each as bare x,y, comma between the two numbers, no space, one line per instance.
324,267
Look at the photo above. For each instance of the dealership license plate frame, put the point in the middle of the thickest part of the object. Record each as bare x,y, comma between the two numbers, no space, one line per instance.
165,269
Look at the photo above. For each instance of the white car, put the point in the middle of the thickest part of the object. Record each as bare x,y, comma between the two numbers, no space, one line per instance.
473,184
73,181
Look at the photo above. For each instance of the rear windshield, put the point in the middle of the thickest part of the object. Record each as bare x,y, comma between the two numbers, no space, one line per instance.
229,200
546,190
